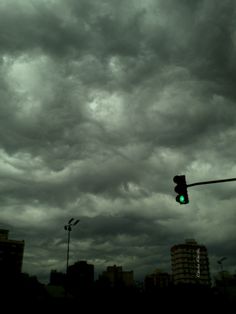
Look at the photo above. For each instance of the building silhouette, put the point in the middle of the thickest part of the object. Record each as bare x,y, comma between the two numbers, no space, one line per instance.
11,255
190,264
225,285
80,276
157,280
115,277
57,278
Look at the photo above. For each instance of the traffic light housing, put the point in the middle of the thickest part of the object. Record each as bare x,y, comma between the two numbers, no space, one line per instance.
181,189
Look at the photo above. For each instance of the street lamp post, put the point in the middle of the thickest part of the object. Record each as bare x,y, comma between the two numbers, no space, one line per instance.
222,273
221,264
69,229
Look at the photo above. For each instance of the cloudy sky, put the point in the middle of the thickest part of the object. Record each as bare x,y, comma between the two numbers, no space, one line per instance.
101,104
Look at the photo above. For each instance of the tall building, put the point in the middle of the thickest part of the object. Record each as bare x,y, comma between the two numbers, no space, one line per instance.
11,255
116,277
190,263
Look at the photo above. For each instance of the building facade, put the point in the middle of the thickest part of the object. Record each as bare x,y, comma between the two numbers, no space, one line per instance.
81,275
116,277
157,280
11,255
57,278
190,264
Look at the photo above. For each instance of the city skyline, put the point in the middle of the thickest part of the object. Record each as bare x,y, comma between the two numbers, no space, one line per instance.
189,261
102,103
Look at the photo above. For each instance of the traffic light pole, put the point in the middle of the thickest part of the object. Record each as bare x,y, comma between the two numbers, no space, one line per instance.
210,182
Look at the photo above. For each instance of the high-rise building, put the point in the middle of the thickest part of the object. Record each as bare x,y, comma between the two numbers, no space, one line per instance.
11,255
190,263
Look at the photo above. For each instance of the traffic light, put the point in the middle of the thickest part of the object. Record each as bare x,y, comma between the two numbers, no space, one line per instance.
181,189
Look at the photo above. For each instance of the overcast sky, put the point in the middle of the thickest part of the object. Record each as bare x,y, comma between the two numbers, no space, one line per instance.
102,103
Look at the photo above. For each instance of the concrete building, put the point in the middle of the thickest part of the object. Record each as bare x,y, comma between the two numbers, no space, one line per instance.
225,283
81,275
57,278
11,255
116,277
158,279
190,263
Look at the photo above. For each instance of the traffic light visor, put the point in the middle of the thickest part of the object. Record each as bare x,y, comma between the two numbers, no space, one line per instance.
179,179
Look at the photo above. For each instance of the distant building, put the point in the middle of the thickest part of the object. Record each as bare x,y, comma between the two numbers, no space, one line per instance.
225,284
81,275
11,255
116,277
225,278
157,279
57,278
190,263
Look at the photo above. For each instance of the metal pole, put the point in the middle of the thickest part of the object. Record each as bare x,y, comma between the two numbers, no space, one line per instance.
222,276
68,228
210,182
223,279
68,251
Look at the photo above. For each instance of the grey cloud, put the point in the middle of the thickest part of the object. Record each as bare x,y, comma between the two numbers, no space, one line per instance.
102,103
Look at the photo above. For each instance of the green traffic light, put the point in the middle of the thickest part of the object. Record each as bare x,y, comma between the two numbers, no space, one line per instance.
182,199
181,189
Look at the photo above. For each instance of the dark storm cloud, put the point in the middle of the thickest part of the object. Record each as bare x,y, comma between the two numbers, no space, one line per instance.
102,103
70,29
